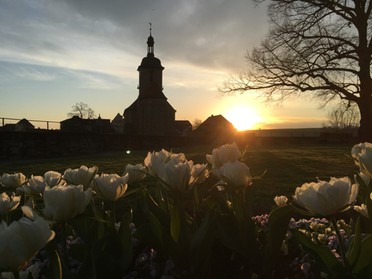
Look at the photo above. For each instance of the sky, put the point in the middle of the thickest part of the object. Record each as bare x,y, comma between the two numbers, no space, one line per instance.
56,53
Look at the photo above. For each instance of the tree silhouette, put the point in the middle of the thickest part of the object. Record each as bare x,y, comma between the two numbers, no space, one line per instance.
343,116
82,110
320,47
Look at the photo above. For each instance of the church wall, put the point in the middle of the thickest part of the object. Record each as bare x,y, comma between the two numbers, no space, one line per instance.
155,118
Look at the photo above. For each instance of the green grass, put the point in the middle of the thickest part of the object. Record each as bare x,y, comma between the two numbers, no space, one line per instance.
290,167
287,167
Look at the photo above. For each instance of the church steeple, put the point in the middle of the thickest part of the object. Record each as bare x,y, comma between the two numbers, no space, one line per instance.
150,73
150,114
150,43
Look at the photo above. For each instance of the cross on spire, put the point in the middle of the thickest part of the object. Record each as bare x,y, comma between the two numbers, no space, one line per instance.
150,43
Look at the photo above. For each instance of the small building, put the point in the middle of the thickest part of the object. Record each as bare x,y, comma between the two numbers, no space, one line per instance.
117,124
22,125
215,129
183,127
81,125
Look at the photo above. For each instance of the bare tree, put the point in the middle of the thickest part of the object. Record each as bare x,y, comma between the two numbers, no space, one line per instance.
320,47
343,116
82,110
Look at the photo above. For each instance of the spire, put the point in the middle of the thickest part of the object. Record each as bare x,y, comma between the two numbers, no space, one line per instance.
150,43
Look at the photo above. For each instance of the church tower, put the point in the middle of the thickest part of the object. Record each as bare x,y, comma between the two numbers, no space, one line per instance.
150,114
150,74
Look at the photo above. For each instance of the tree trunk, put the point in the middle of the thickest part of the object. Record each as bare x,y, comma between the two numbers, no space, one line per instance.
365,129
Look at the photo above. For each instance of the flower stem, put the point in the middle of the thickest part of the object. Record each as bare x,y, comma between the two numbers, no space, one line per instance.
341,245
64,243
113,213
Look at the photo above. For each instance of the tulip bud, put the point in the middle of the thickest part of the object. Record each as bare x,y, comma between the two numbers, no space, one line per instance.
235,173
7,203
326,198
111,187
136,172
63,203
13,180
82,176
223,154
21,240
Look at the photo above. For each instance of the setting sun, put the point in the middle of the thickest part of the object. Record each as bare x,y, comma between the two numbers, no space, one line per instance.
243,118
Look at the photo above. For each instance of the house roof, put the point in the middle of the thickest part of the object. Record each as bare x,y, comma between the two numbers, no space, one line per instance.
24,122
215,123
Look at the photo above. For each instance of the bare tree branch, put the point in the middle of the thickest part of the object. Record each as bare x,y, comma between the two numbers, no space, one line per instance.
82,110
322,48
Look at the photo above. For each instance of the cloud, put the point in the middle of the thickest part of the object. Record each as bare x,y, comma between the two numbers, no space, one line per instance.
34,74
204,33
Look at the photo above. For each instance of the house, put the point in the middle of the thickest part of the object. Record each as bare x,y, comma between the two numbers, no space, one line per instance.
117,124
81,125
215,129
22,125
183,127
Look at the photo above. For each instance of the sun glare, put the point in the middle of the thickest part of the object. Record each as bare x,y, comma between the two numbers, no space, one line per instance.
243,118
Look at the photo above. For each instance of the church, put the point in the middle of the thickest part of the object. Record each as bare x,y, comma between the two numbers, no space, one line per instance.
151,114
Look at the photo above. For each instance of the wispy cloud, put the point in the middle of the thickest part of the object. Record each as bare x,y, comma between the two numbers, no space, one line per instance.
34,74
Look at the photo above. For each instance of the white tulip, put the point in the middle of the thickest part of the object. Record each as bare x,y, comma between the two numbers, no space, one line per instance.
21,240
223,154
326,198
177,174
8,204
111,187
362,209
365,178
35,185
13,180
52,178
155,161
281,200
136,172
362,153
81,176
234,173
198,174
63,203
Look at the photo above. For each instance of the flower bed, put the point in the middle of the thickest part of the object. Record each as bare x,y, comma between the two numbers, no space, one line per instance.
172,218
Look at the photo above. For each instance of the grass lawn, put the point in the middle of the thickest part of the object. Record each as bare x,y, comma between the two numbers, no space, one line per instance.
287,167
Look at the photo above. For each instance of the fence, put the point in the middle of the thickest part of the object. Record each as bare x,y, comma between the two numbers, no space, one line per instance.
38,124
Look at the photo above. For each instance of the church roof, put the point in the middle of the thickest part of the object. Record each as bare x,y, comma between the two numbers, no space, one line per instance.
150,61
132,107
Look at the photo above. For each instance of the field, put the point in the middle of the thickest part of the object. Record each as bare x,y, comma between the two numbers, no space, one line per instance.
287,167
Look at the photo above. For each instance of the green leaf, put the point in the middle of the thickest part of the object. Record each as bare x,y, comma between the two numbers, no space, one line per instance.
363,188
364,260
203,238
154,208
175,224
322,254
156,229
204,246
125,236
228,232
355,245
278,226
